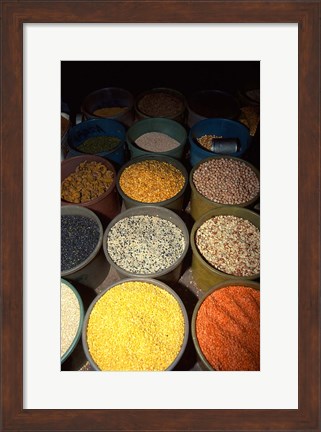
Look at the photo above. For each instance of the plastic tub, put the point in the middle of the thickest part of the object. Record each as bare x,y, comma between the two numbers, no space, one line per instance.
151,281
179,116
170,274
211,103
163,125
107,205
106,98
204,274
94,269
175,203
95,128
201,205
220,127
202,361
81,320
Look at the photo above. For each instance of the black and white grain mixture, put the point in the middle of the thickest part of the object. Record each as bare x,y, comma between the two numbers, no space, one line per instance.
145,244
79,237
230,244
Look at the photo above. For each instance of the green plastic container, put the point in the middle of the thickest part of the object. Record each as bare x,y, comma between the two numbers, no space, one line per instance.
151,281
205,275
81,320
203,363
163,125
201,205
94,269
175,203
170,274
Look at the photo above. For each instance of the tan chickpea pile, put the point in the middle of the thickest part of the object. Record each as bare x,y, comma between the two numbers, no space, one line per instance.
135,326
89,181
151,181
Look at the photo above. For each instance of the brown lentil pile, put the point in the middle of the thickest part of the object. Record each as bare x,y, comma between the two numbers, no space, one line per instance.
156,142
230,244
160,104
226,181
151,181
206,140
89,181
110,111
69,318
228,329
135,326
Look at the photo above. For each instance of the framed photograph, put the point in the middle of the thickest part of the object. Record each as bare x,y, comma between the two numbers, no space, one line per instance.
37,37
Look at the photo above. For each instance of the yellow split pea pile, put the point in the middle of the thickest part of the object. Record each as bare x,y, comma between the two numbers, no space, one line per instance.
135,326
151,181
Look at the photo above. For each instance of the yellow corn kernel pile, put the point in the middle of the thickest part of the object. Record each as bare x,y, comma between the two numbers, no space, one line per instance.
151,181
135,326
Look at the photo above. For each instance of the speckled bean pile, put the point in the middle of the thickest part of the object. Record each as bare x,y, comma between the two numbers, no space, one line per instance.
156,142
145,244
151,181
135,326
79,237
230,244
69,317
226,181
228,329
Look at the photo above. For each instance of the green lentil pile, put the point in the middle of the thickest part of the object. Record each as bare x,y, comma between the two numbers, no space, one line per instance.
135,326
151,181
145,244
98,144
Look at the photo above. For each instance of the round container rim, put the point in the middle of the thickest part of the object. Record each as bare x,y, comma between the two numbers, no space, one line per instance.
93,216
107,152
198,164
167,159
160,90
199,222
93,158
95,92
211,91
81,320
159,284
164,120
248,284
141,212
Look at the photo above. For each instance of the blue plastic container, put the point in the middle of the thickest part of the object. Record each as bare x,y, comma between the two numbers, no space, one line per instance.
94,128
220,127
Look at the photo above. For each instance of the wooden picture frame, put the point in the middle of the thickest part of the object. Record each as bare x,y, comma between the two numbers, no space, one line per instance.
14,15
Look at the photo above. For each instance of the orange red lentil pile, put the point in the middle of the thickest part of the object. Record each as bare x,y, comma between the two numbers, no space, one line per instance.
228,329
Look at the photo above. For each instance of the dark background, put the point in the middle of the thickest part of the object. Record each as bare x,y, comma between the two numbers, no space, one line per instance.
79,78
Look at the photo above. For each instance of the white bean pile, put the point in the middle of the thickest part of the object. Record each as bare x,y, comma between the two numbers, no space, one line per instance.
230,244
145,244
70,317
226,181
156,142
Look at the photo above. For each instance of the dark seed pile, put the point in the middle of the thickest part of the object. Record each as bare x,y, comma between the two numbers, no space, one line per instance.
145,244
98,144
160,104
79,237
